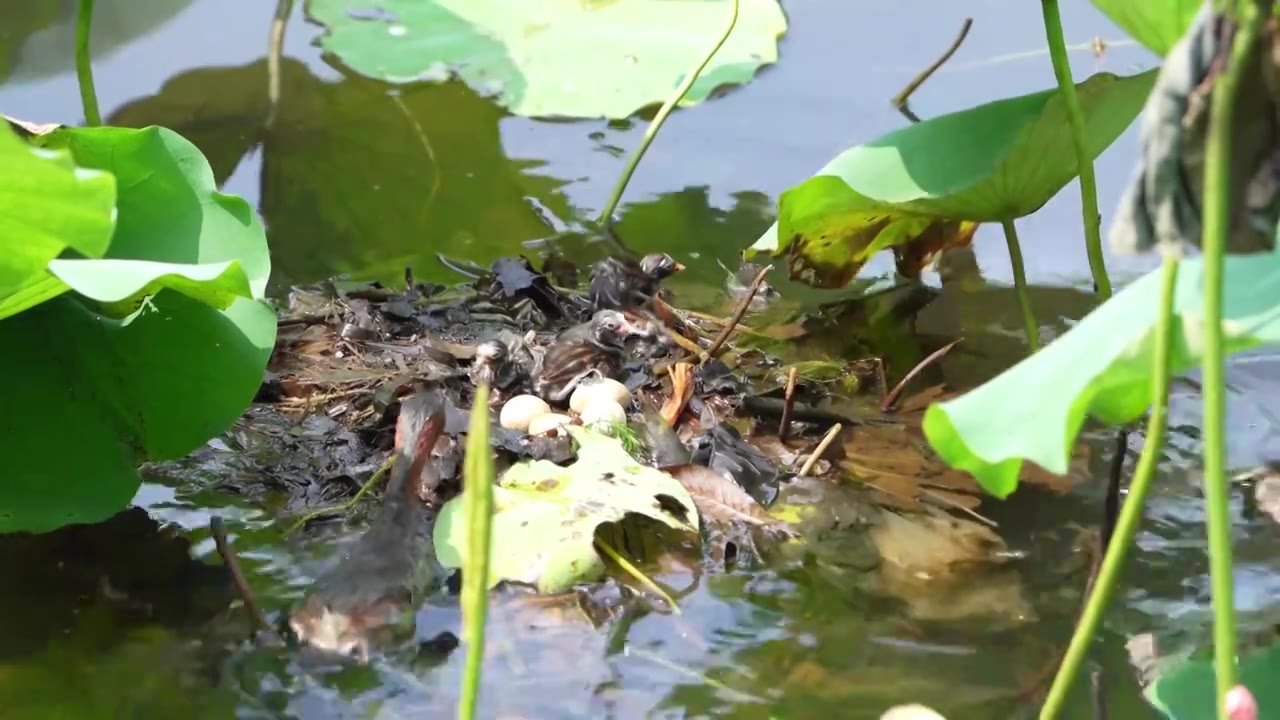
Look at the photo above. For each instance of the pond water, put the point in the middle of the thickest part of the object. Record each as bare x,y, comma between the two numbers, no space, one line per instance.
360,180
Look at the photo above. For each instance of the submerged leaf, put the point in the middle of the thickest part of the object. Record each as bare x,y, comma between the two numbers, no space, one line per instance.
935,545
947,569
897,461
558,57
721,499
931,181
1101,369
546,516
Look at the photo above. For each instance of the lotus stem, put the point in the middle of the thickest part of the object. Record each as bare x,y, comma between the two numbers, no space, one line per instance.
1216,204
478,477
606,215
636,573
1130,511
84,68
1030,326
275,50
1075,117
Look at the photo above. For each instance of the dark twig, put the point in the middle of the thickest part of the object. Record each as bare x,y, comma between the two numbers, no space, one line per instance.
886,405
1110,515
1099,693
789,399
738,314
900,100
228,553
1111,505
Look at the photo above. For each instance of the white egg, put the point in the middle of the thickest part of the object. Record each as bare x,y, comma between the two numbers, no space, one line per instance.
547,422
602,389
519,410
603,410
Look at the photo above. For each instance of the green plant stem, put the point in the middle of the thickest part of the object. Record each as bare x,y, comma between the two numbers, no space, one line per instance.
1020,285
1130,512
1075,116
635,572
606,215
84,69
1216,204
478,477
275,51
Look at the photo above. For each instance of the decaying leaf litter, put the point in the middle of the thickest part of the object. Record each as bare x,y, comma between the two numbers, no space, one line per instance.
727,458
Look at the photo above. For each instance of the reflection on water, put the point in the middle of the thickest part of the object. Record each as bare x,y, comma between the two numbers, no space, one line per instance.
358,178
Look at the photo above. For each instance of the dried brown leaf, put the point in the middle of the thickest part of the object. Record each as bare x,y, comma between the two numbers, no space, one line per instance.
29,128
720,499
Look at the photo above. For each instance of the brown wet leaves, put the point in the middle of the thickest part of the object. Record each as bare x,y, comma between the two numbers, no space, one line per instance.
948,569
896,462
720,499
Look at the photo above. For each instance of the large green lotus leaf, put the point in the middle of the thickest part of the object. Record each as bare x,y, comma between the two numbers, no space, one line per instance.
994,162
1187,691
1158,24
545,515
556,57
91,394
1100,368
90,397
169,206
401,179
47,205
121,286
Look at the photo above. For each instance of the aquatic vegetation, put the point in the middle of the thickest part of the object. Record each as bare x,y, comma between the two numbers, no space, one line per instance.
1116,363
139,307
477,493
546,516
1157,24
920,190
1100,369
566,518
557,58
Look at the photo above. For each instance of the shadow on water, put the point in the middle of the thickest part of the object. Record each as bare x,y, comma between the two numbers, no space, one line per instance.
355,177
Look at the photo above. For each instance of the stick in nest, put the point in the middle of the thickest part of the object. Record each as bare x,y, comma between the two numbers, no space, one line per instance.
789,401
891,399
738,314
822,448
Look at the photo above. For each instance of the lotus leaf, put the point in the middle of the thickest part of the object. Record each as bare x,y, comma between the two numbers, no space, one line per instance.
546,516
556,57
